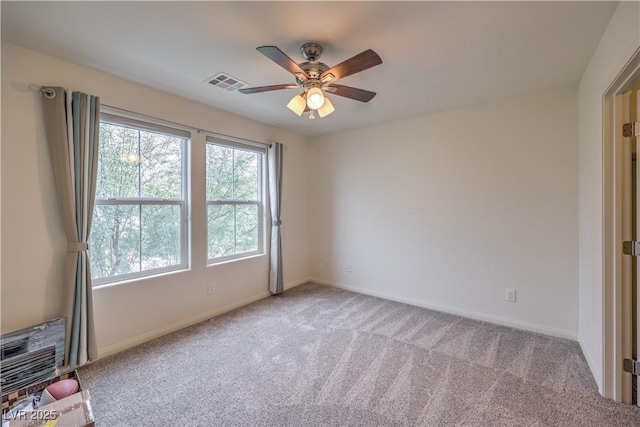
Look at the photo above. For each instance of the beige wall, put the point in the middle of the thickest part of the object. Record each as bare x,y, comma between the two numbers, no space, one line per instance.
33,242
619,42
447,210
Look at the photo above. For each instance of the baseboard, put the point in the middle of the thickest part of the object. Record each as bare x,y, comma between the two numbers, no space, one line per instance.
595,373
297,283
490,318
116,348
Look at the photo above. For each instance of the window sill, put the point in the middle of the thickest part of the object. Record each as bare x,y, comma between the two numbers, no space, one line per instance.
229,261
130,280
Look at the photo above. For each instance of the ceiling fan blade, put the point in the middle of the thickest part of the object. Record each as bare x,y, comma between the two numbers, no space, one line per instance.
360,62
249,90
350,92
280,58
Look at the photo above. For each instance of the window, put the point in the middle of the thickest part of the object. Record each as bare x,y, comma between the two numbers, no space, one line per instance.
234,200
139,223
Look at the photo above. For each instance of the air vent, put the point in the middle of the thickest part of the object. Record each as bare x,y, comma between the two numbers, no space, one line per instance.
226,82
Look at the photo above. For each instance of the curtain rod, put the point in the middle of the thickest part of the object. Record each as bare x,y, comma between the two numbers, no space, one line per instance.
49,92
199,130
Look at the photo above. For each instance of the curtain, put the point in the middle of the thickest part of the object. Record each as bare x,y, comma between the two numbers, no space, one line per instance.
274,157
72,122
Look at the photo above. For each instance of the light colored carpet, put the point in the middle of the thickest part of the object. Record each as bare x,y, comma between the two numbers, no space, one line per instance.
323,356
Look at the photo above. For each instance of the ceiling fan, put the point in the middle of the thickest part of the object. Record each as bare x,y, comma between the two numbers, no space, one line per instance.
316,78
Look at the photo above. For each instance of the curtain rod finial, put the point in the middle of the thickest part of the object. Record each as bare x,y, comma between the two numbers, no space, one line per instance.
46,91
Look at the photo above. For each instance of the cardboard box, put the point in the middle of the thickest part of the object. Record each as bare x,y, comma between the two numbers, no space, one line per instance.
72,411
9,400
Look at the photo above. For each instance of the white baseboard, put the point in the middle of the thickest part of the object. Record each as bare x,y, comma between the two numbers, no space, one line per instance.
595,371
297,283
116,348
517,324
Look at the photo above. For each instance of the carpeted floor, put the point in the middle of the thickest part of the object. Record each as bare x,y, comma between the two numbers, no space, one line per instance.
323,356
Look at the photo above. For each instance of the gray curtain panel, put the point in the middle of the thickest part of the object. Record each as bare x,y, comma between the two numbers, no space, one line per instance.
72,123
274,157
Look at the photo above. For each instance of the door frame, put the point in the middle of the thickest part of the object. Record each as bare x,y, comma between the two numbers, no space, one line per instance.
616,322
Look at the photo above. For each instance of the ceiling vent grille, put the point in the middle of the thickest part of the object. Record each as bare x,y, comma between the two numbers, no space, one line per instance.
226,82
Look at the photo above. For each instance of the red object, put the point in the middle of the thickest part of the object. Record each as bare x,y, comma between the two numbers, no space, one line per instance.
64,388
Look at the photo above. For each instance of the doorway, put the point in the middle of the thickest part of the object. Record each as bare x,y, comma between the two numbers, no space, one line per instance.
634,110
621,224
628,104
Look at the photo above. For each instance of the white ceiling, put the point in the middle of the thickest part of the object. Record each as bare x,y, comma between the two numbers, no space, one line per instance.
436,55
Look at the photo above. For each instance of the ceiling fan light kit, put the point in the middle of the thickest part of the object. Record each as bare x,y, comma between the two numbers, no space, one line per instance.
316,78
326,109
297,104
315,98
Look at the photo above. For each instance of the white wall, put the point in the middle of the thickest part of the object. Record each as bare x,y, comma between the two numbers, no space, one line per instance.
619,42
447,210
33,242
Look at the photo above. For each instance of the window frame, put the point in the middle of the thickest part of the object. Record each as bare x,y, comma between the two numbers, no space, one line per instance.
259,202
184,202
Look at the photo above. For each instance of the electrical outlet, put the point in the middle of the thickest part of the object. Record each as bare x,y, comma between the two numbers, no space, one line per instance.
510,295
348,268
211,289
326,265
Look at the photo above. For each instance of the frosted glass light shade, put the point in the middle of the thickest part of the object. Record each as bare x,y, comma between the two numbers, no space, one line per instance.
315,98
326,109
297,104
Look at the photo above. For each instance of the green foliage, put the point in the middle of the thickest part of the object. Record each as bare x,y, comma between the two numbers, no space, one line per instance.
246,228
127,238
232,176
221,237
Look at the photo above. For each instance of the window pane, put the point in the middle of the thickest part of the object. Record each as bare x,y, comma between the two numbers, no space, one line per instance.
233,175
161,237
246,175
117,174
114,242
219,172
221,231
137,163
246,228
160,165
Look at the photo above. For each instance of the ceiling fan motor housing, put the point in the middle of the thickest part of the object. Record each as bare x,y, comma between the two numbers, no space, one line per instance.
311,52
313,69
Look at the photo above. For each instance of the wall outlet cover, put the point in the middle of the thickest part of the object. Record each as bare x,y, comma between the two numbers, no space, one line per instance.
510,295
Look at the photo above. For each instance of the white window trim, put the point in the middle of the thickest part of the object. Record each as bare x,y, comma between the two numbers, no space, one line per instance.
259,202
124,120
